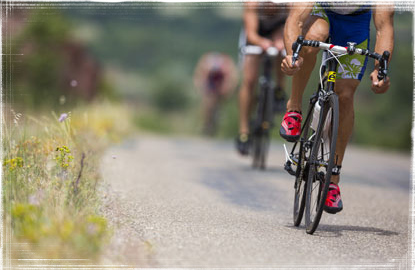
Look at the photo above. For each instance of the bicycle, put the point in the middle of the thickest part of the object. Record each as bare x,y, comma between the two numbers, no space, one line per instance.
264,112
313,153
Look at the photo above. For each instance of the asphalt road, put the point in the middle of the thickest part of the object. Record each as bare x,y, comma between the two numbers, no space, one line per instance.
189,202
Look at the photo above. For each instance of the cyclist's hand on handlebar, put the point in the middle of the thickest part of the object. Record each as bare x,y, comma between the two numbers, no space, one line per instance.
265,43
288,68
279,44
379,87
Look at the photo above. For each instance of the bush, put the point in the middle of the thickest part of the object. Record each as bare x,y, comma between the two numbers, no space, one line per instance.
51,178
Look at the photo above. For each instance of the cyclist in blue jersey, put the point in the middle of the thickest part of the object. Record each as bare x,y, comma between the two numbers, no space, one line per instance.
346,23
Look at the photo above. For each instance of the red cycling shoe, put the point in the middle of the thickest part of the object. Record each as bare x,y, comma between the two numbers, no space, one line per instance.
291,126
333,202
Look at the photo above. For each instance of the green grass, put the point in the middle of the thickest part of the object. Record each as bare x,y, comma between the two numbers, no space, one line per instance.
51,179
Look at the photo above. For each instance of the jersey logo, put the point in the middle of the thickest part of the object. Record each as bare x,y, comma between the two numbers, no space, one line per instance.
332,76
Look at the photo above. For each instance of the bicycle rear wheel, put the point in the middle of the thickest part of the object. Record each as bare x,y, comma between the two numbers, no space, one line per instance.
321,162
260,150
263,125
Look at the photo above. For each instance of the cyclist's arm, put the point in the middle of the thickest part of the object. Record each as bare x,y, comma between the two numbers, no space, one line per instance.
251,23
294,24
383,20
294,27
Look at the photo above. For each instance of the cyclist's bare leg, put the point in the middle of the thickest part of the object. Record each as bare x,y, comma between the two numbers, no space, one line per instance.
316,28
280,75
345,89
246,92
211,101
278,39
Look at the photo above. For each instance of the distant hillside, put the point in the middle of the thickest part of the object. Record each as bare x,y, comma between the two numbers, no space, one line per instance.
147,36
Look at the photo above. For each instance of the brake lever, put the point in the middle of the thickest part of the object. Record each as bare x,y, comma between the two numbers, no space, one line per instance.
297,48
383,69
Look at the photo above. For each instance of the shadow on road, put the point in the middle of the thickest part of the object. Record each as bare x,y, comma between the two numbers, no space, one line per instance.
338,230
269,169
245,187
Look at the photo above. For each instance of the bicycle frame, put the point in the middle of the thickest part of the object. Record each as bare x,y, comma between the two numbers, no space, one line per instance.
329,66
266,84
265,89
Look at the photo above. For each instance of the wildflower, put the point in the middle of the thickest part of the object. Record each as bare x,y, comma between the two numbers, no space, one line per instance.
13,163
63,117
63,157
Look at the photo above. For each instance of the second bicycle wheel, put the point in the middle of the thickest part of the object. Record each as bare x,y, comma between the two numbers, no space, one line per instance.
260,150
321,162
262,128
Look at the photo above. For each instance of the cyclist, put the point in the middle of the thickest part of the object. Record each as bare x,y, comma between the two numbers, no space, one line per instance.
263,26
342,25
216,76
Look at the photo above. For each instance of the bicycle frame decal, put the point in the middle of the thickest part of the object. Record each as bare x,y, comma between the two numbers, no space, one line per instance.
332,76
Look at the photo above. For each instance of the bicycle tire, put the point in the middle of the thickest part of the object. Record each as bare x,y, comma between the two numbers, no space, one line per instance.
302,171
263,122
319,180
264,141
256,150
260,149
266,128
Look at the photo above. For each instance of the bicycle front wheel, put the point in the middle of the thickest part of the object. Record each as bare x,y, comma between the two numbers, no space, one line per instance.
302,157
321,162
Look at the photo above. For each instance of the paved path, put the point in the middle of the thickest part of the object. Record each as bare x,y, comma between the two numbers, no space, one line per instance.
195,203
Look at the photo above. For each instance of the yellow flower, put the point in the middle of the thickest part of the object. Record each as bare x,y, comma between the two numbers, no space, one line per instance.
62,157
13,163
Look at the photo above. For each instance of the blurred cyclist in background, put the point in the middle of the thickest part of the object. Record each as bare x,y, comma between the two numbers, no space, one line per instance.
263,26
216,76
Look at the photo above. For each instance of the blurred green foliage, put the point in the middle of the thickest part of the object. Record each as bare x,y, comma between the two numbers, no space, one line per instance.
36,70
171,93
32,224
386,120
36,79
153,121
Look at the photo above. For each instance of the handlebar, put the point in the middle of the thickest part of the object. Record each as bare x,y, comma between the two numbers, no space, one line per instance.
257,50
337,50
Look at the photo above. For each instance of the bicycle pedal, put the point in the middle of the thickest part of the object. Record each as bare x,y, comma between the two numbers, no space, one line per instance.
288,168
